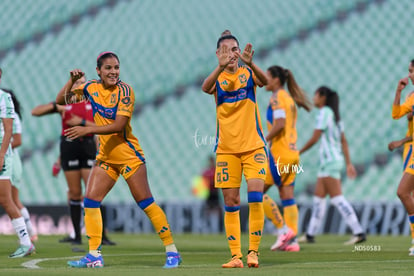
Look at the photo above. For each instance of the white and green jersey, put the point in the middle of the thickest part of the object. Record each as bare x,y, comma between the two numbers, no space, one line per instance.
330,147
6,110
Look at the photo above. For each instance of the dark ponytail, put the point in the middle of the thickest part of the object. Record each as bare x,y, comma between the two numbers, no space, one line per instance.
332,100
286,76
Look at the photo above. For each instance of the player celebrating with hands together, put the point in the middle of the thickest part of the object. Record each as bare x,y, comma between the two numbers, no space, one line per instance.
240,144
119,153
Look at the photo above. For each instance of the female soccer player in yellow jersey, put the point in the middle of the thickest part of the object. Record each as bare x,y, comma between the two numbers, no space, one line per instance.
333,151
119,153
406,186
240,144
406,141
283,156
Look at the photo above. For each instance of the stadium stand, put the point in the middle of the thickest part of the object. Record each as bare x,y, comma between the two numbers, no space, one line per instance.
317,39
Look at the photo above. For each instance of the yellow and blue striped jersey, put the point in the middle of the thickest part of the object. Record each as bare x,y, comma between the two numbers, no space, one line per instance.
281,105
116,148
239,128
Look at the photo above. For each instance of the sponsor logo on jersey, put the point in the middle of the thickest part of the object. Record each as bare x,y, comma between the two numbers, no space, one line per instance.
260,158
221,164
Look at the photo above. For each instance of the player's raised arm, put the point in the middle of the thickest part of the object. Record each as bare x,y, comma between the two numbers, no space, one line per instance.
65,93
224,58
247,58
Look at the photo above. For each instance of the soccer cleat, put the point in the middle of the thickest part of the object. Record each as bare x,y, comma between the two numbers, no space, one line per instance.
106,241
23,251
88,261
235,262
253,259
71,240
173,260
293,246
411,250
283,240
307,238
356,239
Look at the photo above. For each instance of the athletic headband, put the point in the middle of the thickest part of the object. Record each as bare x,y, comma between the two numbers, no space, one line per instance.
103,53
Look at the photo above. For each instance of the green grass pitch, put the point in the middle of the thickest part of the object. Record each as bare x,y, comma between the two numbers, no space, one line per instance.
137,254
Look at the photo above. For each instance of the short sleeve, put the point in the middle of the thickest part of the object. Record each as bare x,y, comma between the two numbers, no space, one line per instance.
78,93
17,125
322,119
126,101
6,106
341,127
278,106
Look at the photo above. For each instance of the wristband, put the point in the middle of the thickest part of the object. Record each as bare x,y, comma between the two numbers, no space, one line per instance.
54,107
83,122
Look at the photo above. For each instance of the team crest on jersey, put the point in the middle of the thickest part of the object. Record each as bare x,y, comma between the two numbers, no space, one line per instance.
113,98
242,78
95,94
126,100
260,158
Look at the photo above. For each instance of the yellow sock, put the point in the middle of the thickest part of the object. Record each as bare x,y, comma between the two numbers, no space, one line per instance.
272,212
93,225
256,223
232,226
411,218
291,214
160,223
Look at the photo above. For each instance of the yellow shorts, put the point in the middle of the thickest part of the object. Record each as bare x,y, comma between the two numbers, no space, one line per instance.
408,159
126,170
282,170
229,167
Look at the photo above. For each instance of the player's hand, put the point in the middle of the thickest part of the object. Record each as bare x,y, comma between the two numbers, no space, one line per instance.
224,56
247,55
394,144
76,132
56,169
402,84
351,171
74,121
76,74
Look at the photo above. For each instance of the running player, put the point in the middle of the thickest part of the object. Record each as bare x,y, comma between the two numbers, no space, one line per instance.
333,148
6,162
119,153
17,170
283,155
240,144
406,186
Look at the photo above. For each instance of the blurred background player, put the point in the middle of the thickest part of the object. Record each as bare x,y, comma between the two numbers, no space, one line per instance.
283,154
333,148
119,153
76,157
17,169
406,186
240,144
26,247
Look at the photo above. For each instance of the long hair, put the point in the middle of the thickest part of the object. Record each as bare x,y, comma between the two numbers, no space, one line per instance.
332,100
286,76
16,103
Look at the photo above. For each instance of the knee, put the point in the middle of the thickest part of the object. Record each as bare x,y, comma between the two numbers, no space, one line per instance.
402,194
231,200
